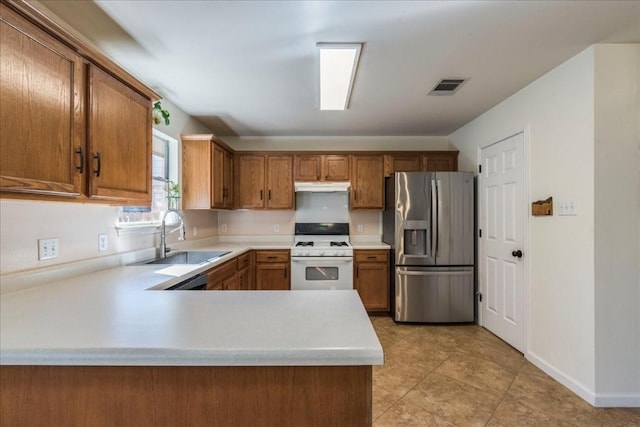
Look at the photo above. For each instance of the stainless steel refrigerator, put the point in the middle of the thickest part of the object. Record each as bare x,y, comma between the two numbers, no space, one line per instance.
428,220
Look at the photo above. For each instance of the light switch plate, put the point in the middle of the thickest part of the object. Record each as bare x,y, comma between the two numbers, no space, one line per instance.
568,208
47,248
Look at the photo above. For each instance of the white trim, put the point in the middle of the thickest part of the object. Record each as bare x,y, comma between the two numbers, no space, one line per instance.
525,130
600,400
571,383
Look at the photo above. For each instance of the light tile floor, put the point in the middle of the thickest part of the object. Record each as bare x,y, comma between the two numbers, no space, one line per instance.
462,375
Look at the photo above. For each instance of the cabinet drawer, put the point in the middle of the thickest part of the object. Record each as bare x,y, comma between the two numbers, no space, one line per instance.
244,261
272,256
371,256
223,271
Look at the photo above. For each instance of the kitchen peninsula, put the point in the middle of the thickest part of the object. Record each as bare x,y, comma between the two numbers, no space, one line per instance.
103,349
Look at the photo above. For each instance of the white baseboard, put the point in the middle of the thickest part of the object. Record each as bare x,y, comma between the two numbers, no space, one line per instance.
600,400
618,400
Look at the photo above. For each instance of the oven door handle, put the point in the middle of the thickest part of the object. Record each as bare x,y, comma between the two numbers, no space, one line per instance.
332,260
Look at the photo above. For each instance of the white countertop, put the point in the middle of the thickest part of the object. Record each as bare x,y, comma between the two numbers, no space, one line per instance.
111,318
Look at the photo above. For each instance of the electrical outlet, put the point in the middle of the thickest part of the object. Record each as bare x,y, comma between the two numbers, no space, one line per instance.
223,228
102,242
276,228
360,228
195,231
47,248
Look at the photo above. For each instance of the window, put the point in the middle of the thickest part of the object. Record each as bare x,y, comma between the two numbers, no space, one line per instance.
164,172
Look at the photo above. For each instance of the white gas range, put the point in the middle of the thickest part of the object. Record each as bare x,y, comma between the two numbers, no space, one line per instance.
321,257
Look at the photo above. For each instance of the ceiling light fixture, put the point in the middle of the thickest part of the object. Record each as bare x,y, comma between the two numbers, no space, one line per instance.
338,65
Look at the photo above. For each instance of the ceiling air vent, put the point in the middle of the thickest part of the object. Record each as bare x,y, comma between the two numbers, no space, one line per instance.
447,87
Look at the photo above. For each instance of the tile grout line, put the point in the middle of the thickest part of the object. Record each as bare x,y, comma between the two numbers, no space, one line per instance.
503,397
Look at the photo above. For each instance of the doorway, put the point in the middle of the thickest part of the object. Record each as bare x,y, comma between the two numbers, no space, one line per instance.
503,239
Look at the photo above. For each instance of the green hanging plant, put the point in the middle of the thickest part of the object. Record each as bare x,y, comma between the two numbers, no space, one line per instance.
160,115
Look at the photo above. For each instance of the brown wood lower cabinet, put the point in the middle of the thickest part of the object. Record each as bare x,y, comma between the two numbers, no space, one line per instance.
245,272
272,270
223,277
185,396
371,279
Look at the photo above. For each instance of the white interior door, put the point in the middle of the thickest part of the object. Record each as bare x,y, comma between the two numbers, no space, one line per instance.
501,218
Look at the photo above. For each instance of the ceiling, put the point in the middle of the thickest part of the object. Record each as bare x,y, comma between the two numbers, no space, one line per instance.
249,68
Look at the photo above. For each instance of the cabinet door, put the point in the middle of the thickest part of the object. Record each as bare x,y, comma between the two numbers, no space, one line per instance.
336,168
251,175
196,166
217,177
372,284
440,162
272,276
307,168
367,182
227,188
279,182
119,140
41,111
406,164
243,280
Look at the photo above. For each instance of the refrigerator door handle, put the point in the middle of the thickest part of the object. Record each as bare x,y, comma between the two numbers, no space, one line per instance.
434,218
438,198
435,273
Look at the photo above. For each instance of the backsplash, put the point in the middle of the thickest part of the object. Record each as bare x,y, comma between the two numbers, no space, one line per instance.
76,226
261,223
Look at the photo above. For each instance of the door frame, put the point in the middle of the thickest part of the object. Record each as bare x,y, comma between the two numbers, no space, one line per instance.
525,130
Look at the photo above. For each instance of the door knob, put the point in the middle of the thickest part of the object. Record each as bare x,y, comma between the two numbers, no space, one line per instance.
517,254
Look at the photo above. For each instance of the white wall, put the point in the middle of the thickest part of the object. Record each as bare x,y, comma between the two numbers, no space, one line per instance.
339,143
557,110
583,122
617,219
77,225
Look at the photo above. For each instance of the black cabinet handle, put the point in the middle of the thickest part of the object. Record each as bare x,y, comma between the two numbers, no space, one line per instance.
357,272
98,157
260,194
355,194
80,168
269,194
517,254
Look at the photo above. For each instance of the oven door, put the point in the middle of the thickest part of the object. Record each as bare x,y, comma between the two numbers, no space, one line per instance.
321,273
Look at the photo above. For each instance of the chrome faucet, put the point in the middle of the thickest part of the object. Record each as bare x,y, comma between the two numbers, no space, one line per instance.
163,232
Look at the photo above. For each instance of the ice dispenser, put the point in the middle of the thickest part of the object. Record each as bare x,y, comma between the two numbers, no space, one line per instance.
415,237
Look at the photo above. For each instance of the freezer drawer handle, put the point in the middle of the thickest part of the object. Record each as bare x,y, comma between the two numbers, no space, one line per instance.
435,273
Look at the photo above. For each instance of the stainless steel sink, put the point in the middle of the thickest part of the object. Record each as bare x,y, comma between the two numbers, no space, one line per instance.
189,257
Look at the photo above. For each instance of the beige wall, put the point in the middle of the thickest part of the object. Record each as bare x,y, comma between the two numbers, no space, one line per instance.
617,219
339,143
262,223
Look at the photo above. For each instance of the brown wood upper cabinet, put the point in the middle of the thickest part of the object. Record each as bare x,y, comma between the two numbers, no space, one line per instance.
120,139
265,181
69,128
321,167
425,161
367,179
207,173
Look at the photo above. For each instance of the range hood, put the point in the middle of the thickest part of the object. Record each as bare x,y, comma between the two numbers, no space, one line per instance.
322,187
